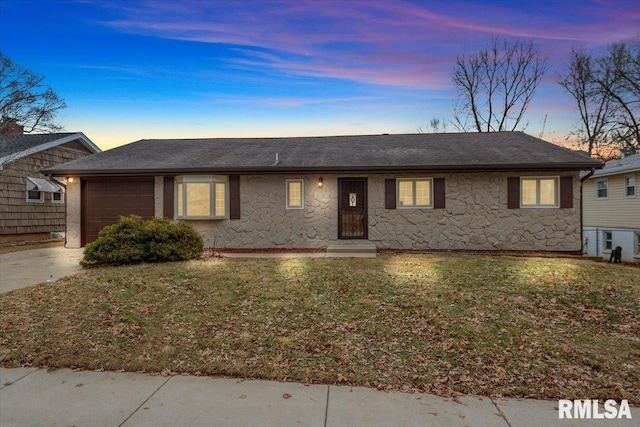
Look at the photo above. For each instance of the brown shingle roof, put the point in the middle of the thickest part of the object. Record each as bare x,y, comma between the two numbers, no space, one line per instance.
373,153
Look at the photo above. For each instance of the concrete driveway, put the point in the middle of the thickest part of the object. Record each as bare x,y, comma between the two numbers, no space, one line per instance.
31,267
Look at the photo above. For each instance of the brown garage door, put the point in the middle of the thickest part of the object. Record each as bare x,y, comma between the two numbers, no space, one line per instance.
104,201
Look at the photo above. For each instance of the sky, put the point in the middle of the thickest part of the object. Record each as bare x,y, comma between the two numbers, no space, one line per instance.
139,69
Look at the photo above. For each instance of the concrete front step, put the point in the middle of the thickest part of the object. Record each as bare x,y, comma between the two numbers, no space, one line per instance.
355,250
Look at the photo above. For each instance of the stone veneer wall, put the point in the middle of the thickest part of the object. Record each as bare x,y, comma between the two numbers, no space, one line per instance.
475,218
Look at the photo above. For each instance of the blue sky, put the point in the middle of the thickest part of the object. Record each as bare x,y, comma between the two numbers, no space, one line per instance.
131,69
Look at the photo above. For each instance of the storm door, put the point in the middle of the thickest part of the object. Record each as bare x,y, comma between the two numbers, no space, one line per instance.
352,208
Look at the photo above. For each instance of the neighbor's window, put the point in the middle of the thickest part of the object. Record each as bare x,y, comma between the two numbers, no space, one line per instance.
35,196
57,197
602,189
607,239
630,186
539,192
201,197
295,194
414,193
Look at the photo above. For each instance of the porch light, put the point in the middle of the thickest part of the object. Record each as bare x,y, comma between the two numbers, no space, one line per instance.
320,182
69,179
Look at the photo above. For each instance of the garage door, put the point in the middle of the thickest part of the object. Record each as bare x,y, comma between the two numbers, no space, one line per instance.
104,201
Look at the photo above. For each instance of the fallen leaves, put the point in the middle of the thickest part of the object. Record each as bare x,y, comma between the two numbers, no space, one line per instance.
498,326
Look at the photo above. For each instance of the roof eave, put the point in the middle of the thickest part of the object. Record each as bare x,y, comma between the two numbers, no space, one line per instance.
51,144
604,172
529,167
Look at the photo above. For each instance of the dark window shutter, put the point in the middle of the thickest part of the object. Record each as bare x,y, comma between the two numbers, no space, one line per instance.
168,195
438,193
513,192
566,191
234,196
389,193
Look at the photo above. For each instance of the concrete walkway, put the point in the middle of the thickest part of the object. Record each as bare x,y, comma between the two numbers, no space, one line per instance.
35,397
27,268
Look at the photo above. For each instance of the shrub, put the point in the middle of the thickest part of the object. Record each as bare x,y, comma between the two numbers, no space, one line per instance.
133,240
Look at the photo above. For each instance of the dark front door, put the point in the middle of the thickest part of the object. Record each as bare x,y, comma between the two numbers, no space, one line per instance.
352,208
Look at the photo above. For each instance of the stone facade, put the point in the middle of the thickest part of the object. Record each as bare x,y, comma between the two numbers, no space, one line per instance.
476,217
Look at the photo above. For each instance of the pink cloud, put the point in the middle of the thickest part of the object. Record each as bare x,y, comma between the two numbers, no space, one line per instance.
380,42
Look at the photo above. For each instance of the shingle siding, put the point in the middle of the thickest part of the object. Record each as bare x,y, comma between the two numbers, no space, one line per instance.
17,216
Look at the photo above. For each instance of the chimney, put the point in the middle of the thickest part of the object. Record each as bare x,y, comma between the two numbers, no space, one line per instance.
10,127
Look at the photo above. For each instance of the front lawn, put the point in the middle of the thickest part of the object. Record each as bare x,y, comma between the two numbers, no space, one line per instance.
500,326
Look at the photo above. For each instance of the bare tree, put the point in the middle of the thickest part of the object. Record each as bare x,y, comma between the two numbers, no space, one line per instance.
618,76
26,99
594,108
607,93
436,125
495,85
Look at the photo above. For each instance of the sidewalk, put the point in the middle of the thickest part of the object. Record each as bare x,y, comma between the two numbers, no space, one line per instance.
35,397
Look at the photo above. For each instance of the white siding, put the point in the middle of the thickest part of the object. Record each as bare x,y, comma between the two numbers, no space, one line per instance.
616,211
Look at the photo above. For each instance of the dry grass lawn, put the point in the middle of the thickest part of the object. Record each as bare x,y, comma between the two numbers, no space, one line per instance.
472,324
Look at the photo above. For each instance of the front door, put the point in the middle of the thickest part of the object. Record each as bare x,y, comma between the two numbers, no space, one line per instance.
352,208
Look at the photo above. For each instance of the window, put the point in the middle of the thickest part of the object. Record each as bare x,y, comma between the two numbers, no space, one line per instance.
637,244
602,189
414,193
57,197
630,186
36,187
295,194
201,197
607,240
539,192
35,196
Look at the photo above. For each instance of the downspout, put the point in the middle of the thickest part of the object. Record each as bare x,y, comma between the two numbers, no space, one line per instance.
587,176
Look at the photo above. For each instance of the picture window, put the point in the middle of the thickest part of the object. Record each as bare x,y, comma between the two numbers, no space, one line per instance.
201,197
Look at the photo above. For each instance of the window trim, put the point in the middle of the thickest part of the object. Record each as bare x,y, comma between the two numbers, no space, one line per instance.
58,202
287,188
556,194
634,186
605,240
413,189
40,200
212,180
606,196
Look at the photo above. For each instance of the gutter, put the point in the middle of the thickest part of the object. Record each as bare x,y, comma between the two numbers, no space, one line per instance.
274,169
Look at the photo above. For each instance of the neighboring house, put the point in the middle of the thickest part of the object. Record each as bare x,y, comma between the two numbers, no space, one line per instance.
611,206
31,206
472,191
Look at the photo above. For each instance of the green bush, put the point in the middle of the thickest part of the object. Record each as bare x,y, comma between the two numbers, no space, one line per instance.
133,240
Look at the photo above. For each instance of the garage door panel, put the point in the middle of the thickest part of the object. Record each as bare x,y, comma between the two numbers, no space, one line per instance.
106,200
